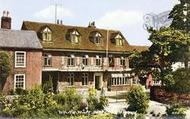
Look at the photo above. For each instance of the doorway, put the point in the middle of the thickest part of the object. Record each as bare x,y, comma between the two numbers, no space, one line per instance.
98,81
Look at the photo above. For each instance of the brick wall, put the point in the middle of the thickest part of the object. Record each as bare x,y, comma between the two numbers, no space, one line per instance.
32,70
159,94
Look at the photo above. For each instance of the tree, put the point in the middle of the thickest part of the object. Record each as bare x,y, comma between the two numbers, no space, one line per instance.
180,15
167,48
4,68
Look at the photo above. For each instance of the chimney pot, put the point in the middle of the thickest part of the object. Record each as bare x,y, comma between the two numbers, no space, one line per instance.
5,20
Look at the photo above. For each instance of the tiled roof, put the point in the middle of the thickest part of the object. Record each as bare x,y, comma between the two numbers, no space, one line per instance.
139,48
19,39
59,33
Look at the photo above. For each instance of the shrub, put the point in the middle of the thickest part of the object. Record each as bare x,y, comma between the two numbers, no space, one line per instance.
137,99
176,110
48,85
94,103
178,81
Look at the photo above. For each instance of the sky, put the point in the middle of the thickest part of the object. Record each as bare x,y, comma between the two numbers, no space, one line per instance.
124,15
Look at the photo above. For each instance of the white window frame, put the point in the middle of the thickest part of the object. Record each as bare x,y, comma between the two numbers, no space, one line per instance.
16,65
122,61
24,80
98,61
48,57
85,78
71,76
46,35
71,59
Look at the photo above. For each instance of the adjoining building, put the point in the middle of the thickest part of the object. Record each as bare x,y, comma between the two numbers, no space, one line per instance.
25,53
84,57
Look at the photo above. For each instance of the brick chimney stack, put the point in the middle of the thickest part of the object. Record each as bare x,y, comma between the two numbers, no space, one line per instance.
6,20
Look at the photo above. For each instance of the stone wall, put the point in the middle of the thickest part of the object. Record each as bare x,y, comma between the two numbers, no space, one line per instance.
160,94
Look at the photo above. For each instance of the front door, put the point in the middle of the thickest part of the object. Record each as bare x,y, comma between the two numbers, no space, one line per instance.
97,82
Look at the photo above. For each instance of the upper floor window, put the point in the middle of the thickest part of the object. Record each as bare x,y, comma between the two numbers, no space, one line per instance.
122,61
96,37
119,40
75,37
84,78
111,61
47,60
85,60
46,34
19,81
20,59
70,79
71,60
98,60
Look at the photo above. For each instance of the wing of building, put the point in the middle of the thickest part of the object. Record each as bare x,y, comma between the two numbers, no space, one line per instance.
25,54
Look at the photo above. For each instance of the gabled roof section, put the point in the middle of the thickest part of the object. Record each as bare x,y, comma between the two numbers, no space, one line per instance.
59,33
19,39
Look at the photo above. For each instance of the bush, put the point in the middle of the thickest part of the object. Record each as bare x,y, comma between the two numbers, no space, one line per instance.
94,103
33,104
176,110
137,100
178,81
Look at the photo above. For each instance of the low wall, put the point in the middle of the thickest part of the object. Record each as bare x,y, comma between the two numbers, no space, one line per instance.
159,94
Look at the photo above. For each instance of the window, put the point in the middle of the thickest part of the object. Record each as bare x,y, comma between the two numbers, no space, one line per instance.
119,40
122,61
120,81
98,60
20,59
85,60
111,61
75,37
84,79
70,79
97,38
71,60
47,60
46,34
19,81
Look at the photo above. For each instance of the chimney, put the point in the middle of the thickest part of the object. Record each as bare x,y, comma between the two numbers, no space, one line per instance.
6,20
92,24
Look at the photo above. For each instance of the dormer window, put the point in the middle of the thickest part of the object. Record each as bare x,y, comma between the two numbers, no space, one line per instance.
46,35
119,40
75,37
96,38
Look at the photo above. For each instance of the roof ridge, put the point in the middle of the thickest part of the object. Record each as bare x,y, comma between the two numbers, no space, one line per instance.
76,26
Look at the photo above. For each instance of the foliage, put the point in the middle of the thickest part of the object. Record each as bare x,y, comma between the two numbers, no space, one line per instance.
4,68
180,16
72,99
33,104
94,103
137,100
48,85
20,91
168,46
176,110
178,81
37,104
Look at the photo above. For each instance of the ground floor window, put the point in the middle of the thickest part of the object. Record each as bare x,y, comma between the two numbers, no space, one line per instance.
120,81
84,79
70,79
19,81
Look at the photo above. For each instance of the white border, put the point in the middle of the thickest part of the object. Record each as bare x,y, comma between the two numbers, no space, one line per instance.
16,58
15,80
